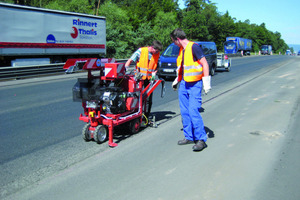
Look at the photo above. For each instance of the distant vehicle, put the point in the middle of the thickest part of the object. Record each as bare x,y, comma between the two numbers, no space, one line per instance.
266,50
29,34
237,45
288,52
298,53
223,62
167,60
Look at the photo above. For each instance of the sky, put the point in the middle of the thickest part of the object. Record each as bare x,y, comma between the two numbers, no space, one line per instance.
280,16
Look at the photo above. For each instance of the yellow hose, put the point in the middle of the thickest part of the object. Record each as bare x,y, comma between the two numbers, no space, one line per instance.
145,118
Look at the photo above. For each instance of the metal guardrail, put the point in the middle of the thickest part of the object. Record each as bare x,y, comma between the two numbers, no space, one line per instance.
7,73
21,72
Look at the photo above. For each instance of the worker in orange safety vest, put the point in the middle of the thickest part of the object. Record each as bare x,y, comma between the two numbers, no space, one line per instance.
193,75
146,59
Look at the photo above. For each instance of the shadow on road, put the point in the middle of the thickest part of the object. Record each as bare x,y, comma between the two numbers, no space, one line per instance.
162,115
122,132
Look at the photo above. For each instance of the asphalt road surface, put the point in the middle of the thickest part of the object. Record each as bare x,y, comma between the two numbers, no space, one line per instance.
251,117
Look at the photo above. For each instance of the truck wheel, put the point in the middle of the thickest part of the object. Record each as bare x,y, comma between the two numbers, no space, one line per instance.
86,135
134,125
100,134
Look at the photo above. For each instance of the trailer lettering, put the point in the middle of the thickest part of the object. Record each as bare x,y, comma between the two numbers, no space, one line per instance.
87,32
77,22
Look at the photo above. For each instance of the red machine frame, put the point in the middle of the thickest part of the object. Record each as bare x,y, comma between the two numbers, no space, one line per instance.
98,122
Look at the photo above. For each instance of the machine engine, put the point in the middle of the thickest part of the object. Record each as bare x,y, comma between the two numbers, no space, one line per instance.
112,100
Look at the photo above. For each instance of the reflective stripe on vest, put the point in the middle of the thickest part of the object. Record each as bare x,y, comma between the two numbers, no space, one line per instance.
144,66
193,70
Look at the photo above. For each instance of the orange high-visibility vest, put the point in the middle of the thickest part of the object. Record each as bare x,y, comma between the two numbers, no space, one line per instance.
144,66
192,70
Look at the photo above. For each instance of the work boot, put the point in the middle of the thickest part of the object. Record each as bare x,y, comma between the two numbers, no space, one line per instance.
185,141
199,146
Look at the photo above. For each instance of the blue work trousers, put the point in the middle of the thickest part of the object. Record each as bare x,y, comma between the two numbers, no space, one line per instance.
190,102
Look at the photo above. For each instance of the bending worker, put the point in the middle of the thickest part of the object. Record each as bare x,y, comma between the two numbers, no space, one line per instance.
146,59
193,74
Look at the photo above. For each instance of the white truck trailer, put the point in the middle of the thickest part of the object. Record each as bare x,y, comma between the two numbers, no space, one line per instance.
32,34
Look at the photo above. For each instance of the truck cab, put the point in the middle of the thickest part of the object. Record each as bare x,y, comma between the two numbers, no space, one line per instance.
230,47
237,46
266,49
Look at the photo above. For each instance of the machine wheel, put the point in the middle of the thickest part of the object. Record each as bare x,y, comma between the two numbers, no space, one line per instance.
86,135
134,125
100,134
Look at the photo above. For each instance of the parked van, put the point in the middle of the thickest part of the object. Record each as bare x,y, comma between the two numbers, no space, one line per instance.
167,60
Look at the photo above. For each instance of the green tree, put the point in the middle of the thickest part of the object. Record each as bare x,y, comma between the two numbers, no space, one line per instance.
143,35
212,18
79,6
39,3
164,24
193,21
9,1
146,10
118,31
225,28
